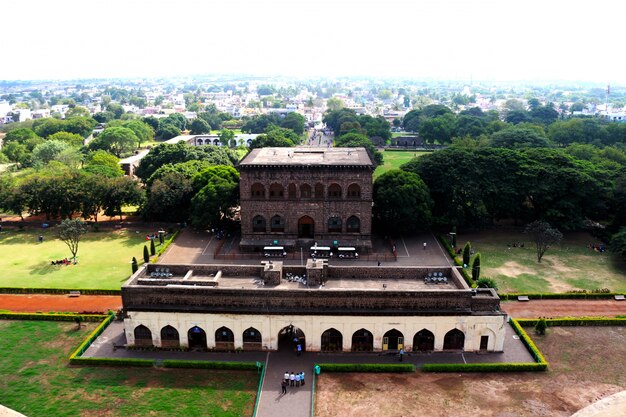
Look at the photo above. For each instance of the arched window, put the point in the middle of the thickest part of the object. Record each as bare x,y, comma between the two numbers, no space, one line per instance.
354,191
292,190
143,336
252,339
216,142
334,225
258,190
334,191
319,190
224,338
393,340
169,337
353,225
258,224
362,341
332,341
454,340
197,338
305,191
277,224
424,341
276,191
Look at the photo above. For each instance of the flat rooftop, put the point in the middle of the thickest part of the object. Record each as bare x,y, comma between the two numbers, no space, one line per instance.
301,156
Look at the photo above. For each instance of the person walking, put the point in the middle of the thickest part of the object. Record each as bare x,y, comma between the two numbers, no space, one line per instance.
424,245
302,378
299,349
401,354
297,380
292,379
283,386
286,377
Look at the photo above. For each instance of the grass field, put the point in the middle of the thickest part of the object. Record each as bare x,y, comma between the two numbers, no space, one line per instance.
104,259
565,267
393,160
37,381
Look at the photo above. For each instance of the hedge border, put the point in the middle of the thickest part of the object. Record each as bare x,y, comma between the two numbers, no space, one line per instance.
576,321
240,366
51,316
457,261
557,296
365,367
530,345
75,356
64,291
484,367
163,247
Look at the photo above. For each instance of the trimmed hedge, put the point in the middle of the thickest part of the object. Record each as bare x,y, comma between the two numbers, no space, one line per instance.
530,345
246,366
146,363
65,291
51,316
576,321
457,261
484,367
166,243
556,296
75,356
366,367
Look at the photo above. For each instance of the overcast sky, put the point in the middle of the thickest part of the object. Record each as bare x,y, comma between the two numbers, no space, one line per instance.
568,40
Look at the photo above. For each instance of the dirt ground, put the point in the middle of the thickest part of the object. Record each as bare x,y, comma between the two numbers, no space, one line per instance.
564,308
59,303
580,373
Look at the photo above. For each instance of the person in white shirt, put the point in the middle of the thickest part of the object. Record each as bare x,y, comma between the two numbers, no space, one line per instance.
286,376
292,379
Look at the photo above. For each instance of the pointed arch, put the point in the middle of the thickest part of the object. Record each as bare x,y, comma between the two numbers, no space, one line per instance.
362,341
353,225
394,339
143,336
197,338
332,340
354,191
169,337
424,341
259,224
277,224
252,339
454,340
224,339
334,191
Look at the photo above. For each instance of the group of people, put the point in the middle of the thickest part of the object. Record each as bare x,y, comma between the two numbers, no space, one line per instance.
516,245
292,380
64,261
598,247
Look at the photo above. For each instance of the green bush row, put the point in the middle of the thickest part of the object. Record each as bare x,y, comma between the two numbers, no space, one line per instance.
457,260
547,296
366,367
530,345
89,340
211,365
51,316
112,362
576,321
484,367
166,243
8,290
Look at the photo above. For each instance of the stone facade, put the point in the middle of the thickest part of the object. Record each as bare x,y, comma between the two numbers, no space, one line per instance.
298,196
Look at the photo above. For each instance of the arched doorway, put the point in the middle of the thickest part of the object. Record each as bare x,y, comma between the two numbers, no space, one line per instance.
224,339
454,340
289,337
197,338
424,341
362,341
393,340
143,336
169,337
306,227
332,341
252,339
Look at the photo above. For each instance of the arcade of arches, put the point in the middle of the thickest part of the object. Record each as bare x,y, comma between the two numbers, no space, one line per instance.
320,333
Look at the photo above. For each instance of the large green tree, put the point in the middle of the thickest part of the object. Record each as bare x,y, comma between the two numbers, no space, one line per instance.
402,202
218,195
116,140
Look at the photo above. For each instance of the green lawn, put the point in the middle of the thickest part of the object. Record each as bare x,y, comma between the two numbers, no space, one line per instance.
104,259
37,381
393,160
565,267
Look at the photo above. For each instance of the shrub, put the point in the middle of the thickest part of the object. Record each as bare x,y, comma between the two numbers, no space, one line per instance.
133,265
146,255
484,367
152,248
541,326
530,345
8,290
247,366
466,254
366,367
112,362
476,267
51,316
486,283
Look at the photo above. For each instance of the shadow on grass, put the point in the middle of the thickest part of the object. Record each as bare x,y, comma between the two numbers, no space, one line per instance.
45,268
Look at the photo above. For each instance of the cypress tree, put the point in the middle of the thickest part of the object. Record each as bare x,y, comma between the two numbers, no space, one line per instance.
466,254
476,267
133,265
146,255
152,249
